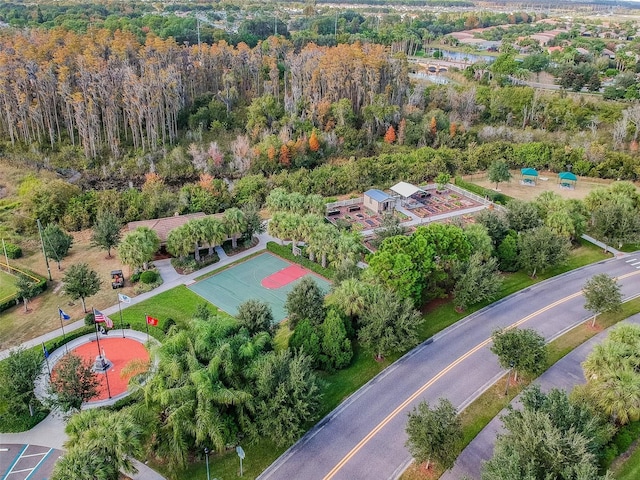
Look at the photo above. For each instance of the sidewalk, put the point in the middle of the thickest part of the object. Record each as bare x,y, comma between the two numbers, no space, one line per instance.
171,279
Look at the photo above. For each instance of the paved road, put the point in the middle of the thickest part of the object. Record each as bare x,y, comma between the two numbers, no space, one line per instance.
364,437
565,374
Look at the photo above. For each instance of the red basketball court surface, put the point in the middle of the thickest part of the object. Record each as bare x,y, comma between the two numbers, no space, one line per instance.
120,351
284,277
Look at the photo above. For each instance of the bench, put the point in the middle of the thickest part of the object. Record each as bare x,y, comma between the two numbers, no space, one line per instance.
354,208
333,213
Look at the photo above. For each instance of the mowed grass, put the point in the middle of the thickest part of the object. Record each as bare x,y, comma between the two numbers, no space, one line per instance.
7,285
179,304
630,468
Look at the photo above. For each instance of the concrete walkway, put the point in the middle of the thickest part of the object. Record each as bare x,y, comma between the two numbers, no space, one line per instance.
564,374
616,253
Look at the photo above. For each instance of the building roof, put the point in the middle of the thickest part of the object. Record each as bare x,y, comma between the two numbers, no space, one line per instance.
378,195
405,189
567,176
162,226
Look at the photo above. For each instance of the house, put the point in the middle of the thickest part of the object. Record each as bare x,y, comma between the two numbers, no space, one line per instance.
378,201
162,226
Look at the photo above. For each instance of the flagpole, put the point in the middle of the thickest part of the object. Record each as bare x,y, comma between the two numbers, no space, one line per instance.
46,359
146,322
97,338
106,376
64,336
121,322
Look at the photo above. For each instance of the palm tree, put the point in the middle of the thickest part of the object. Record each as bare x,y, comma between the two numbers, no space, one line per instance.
235,224
350,297
179,242
348,246
87,432
215,232
323,242
276,226
138,247
618,395
308,224
195,231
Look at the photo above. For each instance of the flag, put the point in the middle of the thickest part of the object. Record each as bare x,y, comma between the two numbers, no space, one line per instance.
123,298
45,351
152,321
64,316
101,317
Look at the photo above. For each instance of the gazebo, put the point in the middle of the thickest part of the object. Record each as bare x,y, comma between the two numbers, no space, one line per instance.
567,179
529,176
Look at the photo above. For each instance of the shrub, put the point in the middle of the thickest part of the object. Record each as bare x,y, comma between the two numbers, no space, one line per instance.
166,324
13,251
135,278
148,277
89,319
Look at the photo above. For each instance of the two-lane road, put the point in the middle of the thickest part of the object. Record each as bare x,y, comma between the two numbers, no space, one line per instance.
364,437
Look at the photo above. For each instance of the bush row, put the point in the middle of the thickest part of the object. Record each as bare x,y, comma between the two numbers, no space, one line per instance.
284,251
492,195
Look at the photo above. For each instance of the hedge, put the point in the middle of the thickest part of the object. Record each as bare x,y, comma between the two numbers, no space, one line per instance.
284,251
494,196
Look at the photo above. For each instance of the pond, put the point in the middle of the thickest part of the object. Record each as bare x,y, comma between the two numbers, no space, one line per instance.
464,57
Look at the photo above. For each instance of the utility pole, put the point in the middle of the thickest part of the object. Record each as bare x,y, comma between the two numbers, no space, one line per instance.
275,24
335,26
46,260
6,257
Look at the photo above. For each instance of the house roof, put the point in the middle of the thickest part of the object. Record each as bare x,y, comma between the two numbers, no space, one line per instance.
162,226
378,195
405,189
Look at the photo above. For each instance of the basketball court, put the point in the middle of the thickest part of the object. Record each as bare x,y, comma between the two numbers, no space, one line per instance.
265,277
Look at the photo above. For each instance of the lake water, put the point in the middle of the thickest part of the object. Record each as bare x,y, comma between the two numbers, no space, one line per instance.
468,57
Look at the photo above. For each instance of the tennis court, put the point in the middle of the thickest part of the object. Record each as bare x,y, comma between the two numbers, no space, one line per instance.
265,277
7,285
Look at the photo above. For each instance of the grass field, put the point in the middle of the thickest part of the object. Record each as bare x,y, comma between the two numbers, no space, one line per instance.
630,469
7,285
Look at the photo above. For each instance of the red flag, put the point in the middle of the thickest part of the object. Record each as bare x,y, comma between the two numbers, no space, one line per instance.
101,317
152,321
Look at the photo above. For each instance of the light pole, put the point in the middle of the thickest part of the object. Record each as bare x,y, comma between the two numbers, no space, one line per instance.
206,453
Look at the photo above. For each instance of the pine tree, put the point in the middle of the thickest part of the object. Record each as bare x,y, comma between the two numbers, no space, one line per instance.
314,143
390,136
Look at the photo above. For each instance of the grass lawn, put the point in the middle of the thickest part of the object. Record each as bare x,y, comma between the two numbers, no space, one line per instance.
179,304
630,468
7,285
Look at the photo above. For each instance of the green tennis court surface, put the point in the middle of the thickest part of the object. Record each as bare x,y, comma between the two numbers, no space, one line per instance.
7,285
240,283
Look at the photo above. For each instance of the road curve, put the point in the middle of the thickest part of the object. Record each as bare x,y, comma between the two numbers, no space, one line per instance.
564,375
364,437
